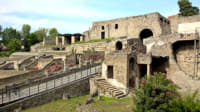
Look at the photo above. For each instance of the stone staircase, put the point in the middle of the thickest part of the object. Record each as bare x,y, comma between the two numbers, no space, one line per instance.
112,90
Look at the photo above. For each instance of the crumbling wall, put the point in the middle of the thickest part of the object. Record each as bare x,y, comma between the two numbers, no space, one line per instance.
50,41
129,26
184,54
176,20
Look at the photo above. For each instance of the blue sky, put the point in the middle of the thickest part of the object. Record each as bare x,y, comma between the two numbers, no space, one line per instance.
71,16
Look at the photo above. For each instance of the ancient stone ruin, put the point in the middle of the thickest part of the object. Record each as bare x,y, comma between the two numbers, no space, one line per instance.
141,45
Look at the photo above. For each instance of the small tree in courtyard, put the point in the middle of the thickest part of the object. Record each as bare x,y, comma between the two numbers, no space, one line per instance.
154,94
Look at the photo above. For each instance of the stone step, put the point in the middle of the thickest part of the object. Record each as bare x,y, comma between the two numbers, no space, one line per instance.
120,96
100,79
118,93
110,88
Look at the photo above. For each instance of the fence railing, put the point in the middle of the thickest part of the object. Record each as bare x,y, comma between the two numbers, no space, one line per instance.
12,94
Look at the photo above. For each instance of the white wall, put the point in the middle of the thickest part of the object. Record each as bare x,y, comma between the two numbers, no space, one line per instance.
189,27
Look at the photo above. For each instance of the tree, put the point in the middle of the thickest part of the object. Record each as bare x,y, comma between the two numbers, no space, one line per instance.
41,33
53,33
31,40
10,33
14,45
26,30
186,8
155,94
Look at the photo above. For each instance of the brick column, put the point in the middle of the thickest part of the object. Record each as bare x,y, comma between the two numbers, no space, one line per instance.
81,38
56,40
63,40
73,39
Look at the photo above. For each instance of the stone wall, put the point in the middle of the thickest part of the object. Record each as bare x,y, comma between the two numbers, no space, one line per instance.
184,52
50,41
75,89
129,27
21,78
120,69
176,20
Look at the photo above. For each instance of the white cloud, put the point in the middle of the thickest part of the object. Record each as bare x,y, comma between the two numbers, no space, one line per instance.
51,7
62,26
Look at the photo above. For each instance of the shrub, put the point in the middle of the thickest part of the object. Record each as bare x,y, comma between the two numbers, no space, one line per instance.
185,104
154,94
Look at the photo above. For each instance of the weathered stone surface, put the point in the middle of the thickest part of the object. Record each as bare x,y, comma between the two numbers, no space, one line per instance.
129,26
86,108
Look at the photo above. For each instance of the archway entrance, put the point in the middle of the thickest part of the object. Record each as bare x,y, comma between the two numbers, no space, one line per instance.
119,45
146,33
132,73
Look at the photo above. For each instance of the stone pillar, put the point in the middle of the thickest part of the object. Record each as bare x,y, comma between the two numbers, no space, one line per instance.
148,70
56,40
81,38
64,61
16,66
44,41
72,39
63,40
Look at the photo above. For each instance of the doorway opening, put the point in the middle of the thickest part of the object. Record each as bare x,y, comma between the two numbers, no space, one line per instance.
110,72
102,35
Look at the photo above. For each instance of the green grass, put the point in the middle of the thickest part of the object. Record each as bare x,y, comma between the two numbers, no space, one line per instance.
113,105
83,42
96,40
106,104
59,105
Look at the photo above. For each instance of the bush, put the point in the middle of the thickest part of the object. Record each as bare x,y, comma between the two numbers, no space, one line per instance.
14,45
185,104
154,94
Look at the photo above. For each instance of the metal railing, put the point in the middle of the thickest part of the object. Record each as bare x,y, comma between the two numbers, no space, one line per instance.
12,94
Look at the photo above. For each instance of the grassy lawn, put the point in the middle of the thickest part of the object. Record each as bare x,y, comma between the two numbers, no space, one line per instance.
113,105
106,104
83,42
95,40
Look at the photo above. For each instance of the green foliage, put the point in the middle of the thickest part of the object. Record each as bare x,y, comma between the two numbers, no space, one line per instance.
4,54
31,40
185,104
186,8
26,30
14,45
154,94
10,33
41,33
96,40
53,33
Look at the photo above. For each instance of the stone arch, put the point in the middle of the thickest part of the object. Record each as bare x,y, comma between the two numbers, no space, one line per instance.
119,45
145,33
